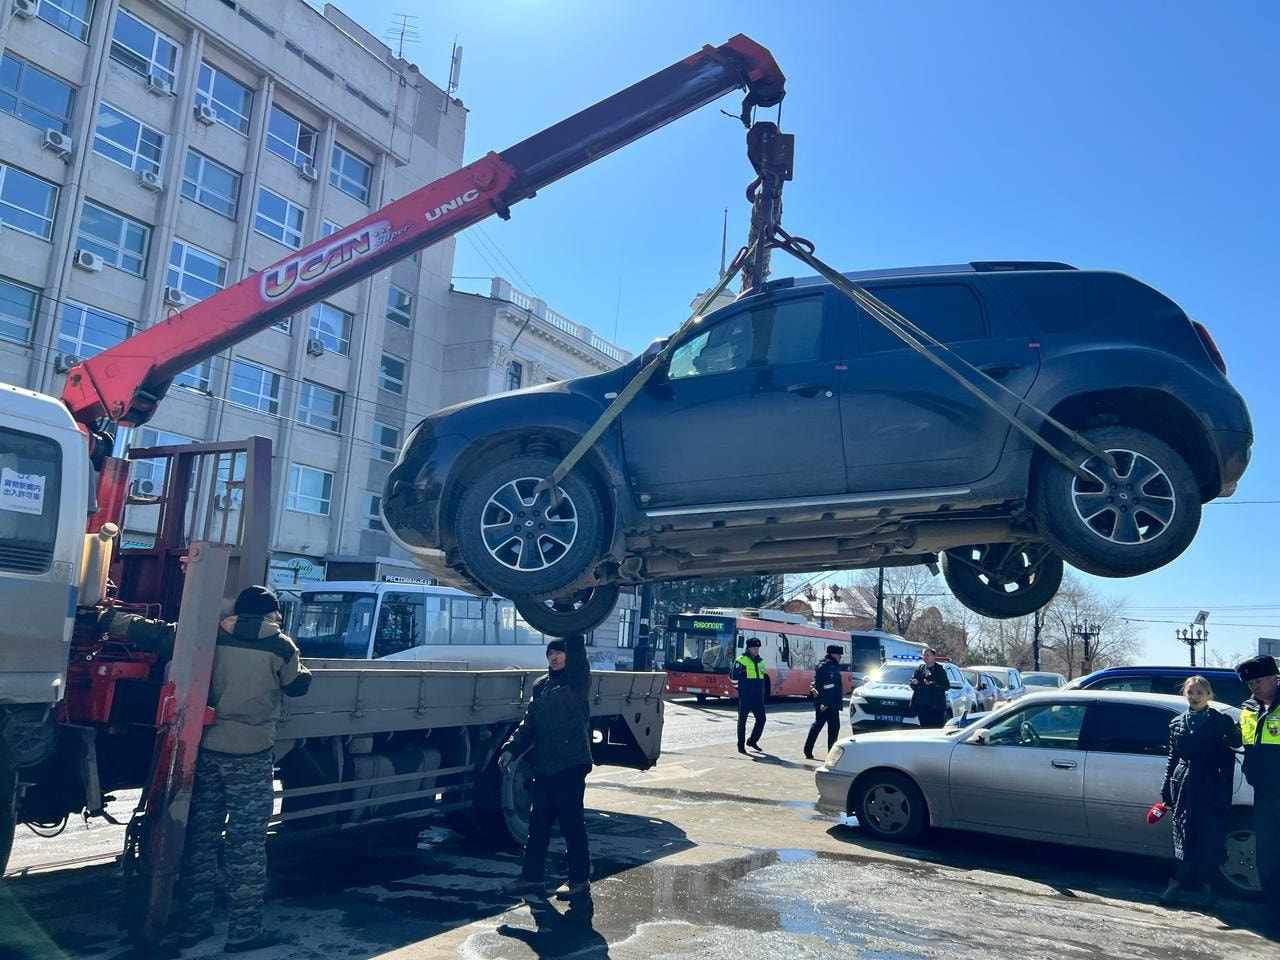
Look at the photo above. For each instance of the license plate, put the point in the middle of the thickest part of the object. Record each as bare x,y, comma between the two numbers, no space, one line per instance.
887,718
693,690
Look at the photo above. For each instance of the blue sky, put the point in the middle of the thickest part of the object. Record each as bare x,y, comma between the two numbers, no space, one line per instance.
1140,137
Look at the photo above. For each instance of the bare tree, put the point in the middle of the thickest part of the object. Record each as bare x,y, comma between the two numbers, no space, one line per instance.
1077,604
908,592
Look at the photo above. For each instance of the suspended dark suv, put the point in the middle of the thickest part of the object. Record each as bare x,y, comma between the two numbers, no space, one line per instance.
792,431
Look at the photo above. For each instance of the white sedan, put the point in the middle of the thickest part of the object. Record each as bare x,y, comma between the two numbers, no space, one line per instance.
1073,766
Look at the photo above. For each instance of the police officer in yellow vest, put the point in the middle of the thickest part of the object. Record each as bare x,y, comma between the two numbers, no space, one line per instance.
1260,731
748,674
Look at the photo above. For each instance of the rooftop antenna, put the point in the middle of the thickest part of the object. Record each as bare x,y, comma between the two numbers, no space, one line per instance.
455,74
402,32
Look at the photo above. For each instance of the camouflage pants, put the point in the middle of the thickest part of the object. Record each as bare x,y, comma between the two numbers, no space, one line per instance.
232,792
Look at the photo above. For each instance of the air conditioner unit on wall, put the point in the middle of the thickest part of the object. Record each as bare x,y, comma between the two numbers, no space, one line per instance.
159,85
24,8
62,362
315,347
150,180
87,260
144,487
174,296
307,171
205,113
58,142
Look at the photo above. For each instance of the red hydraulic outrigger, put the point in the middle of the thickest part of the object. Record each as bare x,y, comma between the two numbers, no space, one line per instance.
124,383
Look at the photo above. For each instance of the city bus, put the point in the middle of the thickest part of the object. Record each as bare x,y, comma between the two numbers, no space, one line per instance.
704,646
373,620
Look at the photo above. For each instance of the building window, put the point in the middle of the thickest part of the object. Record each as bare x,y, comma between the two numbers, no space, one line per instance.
84,331
290,138
350,174
279,219
27,202
328,228
120,241
70,16
195,272
18,305
210,184
391,374
310,490
144,49
515,375
129,142
197,378
153,470
386,441
319,407
627,627
35,97
255,386
331,326
373,512
399,306
231,100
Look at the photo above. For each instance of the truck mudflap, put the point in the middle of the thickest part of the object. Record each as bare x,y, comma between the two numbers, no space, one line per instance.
626,718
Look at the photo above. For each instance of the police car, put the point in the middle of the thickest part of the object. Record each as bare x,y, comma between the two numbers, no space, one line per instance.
885,699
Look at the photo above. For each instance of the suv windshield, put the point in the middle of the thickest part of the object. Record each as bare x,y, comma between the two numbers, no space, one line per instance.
894,673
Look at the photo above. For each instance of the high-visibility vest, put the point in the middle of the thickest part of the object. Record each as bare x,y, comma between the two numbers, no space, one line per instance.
751,669
1265,729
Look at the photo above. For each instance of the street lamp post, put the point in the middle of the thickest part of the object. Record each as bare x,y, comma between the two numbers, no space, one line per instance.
1087,632
821,597
1195,632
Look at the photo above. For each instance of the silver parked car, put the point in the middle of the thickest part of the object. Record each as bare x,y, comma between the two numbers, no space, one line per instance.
984,689
1007,679
1074,766
1036,681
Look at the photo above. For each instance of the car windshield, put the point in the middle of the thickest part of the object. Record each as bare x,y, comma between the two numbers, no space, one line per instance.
1031,680
894,673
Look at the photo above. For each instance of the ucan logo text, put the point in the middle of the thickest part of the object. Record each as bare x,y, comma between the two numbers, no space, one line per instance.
286,276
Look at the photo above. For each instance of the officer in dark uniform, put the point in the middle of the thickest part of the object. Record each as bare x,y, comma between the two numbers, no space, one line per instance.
828,699
1260,732
748,673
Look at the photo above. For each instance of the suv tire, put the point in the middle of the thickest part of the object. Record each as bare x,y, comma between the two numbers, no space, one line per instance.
1133,519
1003,580
580,612
514,545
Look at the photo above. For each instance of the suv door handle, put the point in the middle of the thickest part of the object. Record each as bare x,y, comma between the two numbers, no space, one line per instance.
1063,764
998,370
810,389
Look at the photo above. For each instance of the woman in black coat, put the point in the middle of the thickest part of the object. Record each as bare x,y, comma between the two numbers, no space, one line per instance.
1198,782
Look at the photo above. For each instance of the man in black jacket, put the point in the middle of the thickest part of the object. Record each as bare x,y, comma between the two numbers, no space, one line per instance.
828,699
929,686
556,730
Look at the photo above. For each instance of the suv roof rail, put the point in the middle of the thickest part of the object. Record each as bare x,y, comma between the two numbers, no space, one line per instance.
1003,266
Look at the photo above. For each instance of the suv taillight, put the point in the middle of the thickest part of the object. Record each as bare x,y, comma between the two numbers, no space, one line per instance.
1210,347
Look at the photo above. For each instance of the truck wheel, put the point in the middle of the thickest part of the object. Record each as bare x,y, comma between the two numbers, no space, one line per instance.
515,542
499,811
889,806
1239,874
581,612
1128,519
1003,580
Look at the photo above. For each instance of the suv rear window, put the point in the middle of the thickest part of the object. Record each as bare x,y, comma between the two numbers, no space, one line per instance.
1069,300
949,312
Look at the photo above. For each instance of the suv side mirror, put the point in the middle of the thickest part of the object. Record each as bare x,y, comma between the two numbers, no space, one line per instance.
981,737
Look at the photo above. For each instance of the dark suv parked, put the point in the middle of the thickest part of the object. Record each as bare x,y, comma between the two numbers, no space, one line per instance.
1227,687
791,431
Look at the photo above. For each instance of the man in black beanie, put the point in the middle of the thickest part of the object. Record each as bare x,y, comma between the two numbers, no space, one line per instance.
828,697
254,664
556,732
1260,732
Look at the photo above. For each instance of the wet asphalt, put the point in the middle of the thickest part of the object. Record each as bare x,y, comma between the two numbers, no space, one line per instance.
707,855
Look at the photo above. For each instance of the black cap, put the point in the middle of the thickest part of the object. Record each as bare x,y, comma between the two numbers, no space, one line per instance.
555,645
256,601
834,648
753,642
1263,666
